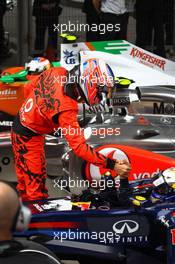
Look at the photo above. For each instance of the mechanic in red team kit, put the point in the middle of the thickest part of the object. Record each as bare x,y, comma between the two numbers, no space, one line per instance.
52,104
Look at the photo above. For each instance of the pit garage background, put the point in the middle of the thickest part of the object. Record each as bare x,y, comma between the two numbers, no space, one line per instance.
21,35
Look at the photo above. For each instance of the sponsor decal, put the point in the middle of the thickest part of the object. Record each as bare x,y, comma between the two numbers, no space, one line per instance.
148,59
125,227
166,120
56,205
173,236
145,175
45,207
6,123
28,106
38,207
112,47
164,221
164,108
8,92
5,135
97,108
121,101
124,232
131,239
69,57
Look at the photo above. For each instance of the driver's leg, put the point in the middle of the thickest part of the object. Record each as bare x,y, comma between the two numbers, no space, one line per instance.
30,166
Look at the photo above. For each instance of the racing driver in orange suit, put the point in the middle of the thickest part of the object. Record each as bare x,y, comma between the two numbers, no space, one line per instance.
52,104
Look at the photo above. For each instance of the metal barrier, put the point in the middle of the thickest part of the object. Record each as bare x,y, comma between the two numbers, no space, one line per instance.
10,28
71,15
21,27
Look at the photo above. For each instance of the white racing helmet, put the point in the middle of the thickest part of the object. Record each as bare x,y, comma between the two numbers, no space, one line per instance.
94,73
37,65
165,181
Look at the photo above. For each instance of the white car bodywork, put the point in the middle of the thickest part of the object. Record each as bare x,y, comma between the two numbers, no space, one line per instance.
126,60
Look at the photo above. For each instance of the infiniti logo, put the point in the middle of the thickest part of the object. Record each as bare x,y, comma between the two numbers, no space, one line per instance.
124,226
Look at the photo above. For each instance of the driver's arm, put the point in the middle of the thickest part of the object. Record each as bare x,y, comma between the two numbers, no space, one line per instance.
68,121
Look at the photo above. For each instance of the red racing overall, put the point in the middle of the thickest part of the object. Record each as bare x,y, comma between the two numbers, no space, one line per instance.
45,110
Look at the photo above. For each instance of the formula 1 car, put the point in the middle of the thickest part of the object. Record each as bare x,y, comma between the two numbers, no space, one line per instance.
154,74
157,97
13,90
101,226
117,123
154,133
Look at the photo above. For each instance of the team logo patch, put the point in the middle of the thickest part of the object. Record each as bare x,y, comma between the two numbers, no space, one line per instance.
28,106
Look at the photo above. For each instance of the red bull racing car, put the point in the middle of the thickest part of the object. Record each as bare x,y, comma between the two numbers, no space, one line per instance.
110,225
